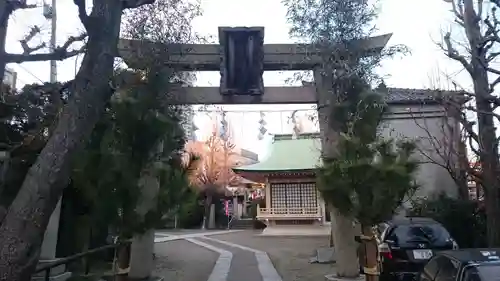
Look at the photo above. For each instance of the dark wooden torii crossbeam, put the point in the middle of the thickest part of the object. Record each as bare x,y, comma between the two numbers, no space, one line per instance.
241,50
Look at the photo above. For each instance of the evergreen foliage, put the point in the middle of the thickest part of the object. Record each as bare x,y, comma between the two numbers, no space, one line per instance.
25,116
371,176
464,219
139,135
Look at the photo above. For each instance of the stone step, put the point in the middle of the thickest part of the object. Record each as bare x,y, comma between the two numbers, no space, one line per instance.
241,224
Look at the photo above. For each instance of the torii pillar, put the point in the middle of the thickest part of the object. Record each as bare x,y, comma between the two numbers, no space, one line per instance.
241,58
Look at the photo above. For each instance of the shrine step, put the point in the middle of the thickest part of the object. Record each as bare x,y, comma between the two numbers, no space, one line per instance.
246,223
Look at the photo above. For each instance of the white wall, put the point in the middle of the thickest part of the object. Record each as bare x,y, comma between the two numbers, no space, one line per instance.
422,123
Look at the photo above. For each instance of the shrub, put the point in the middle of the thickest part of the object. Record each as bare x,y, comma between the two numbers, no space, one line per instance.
464,219
190,213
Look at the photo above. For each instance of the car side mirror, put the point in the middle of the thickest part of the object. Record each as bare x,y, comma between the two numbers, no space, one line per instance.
357,238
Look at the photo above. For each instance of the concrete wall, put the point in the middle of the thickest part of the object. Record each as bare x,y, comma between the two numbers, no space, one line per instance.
10,78
428,126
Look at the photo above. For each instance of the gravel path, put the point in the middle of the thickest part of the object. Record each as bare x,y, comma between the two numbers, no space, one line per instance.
181,260
243,265
290,255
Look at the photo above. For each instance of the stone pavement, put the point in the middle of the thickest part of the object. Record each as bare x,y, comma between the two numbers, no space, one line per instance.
233,262
290,255
181,260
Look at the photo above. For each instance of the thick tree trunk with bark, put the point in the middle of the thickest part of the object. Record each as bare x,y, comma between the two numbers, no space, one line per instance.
478,68
23,228
489,163
488,147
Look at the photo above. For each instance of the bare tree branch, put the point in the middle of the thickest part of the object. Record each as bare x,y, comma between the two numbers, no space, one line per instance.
24,42
131,4
12,6
459,12
20,4
59,53
82,13
452,53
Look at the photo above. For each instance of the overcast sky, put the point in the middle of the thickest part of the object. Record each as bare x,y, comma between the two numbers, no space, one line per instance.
417,24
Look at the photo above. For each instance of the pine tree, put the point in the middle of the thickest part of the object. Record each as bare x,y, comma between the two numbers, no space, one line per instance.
140,138
371,175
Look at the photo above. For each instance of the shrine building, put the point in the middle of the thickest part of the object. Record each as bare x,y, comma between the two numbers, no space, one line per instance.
288,172
290,182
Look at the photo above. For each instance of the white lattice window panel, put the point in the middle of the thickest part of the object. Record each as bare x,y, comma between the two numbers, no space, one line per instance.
294,197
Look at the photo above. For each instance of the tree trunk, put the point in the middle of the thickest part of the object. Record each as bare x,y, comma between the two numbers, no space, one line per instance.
370,264
463,185
343,231
488,148
5,13
23,228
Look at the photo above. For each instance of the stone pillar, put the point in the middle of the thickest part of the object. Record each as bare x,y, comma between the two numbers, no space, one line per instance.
211,217
341,226
245,199
142,248
321,205
48,249
236,207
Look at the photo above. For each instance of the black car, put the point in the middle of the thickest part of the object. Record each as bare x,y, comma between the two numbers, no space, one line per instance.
463,265
408,243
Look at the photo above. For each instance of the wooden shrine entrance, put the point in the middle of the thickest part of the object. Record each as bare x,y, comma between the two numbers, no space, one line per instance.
241,58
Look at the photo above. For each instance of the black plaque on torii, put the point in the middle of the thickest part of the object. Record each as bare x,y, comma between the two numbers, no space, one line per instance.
242,60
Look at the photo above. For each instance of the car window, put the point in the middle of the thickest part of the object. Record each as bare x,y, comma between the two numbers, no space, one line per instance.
402,234
482,273
448,270
431,269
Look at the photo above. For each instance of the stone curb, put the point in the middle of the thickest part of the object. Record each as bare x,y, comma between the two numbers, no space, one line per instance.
264,263
223,263
333,277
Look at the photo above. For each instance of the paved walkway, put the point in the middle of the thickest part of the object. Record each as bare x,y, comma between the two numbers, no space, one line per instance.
234,263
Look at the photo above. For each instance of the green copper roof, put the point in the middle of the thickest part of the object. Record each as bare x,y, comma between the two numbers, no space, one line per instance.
287,154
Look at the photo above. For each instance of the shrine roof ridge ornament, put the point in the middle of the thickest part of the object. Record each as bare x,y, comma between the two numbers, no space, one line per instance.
206,57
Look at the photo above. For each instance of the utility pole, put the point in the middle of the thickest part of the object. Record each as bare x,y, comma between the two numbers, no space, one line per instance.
5,11
50,13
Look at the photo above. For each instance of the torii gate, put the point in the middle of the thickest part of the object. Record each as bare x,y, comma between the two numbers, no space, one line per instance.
237,46
242,57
